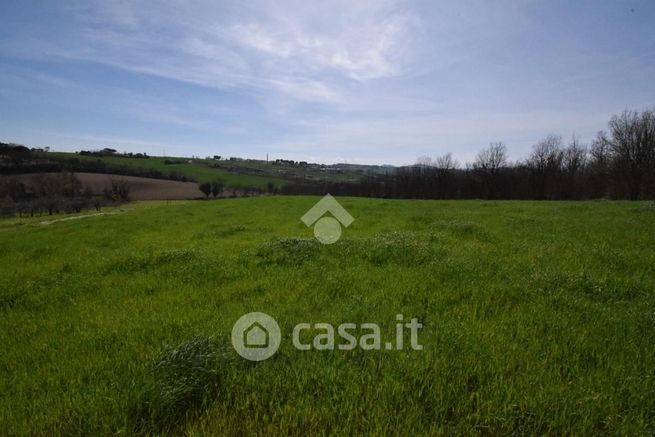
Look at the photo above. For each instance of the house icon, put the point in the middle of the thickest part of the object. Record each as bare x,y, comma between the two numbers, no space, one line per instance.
327,230
327,204
255,336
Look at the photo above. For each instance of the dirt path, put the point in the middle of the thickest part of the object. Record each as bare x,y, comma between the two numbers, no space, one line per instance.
76,217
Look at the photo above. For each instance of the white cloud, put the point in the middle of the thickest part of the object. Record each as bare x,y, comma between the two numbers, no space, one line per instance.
362,44
303,50
305,89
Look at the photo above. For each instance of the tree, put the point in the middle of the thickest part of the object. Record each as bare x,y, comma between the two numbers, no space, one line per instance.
18,153
424,161
119,190
445,162
217,187
445,167
631,147
488,165
491,159
545,164
599,167
12,188
574,161
206,188
574,156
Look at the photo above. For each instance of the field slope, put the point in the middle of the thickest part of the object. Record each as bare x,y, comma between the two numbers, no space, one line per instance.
539,318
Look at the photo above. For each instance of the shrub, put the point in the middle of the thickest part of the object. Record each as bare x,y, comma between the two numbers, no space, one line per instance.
206,188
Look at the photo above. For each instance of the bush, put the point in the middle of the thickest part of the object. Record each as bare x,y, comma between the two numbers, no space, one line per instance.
206,188
119,190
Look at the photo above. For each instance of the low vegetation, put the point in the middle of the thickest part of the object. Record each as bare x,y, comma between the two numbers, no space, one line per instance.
54,193
538,319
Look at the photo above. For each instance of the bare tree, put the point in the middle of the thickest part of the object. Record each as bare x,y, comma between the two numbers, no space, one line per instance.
599,167
424,161
217,187
574,161
631,147
547,153
445,162
491,159
444,168
574,156
545,164
488,164
118,190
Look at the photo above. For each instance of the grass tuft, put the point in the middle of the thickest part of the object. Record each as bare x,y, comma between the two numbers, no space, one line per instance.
182,381
288,251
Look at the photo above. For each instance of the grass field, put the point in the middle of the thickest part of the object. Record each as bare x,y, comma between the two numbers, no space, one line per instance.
539,318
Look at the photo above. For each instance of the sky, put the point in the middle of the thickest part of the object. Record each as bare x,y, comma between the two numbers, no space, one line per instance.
357,81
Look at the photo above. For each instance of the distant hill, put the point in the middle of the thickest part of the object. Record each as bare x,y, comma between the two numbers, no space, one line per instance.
234,171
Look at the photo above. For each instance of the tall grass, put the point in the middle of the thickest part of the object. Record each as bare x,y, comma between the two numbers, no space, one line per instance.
539,318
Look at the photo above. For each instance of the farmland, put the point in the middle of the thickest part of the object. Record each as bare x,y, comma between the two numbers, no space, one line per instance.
139,188
539,317
233,173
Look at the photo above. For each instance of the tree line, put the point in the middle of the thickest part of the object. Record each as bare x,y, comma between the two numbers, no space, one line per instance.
53,193
112,153
618,164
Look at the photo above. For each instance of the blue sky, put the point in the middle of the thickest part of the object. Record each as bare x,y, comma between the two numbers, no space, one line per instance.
326,81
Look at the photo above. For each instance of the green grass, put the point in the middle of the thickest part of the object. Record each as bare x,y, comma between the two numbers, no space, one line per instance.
539,319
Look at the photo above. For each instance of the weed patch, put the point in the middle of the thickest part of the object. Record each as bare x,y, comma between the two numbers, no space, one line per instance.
397,248
133,263
288,251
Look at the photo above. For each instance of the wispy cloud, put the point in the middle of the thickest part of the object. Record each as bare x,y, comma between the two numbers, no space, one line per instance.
384,80
288,50
364,45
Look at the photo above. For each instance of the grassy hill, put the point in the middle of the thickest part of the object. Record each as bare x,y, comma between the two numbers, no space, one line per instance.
538,319
235,172
197,170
